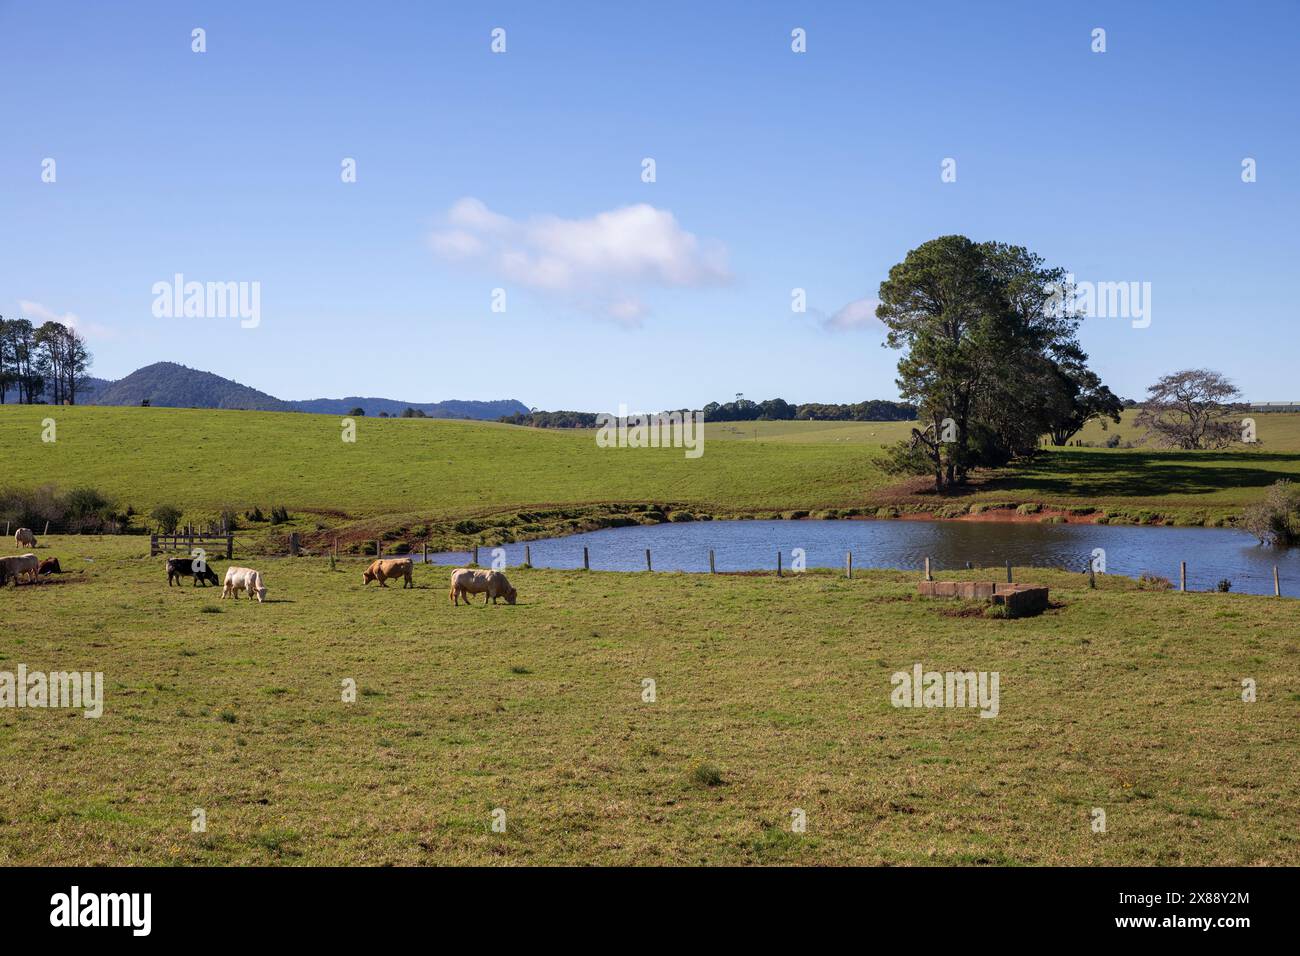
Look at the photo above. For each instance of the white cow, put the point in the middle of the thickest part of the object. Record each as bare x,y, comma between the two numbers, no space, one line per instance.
18,566
244,579
24,536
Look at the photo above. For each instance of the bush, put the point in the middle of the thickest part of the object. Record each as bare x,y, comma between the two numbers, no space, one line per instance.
1153,582
168,517
1224,586
886,512
706,775
1276,519
279,515
255,515
1029,508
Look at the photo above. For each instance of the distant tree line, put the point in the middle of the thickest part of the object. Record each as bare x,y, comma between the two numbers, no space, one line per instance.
50,360
743,410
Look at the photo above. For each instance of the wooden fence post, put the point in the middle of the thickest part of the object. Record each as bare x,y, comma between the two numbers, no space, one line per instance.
1182,575
230,545
1008,570
778,564
1277,583
293,544
426,551
47,529
1092,574
848,565
6,529
712,568
586,561
476,554
528,556
927,570
647,560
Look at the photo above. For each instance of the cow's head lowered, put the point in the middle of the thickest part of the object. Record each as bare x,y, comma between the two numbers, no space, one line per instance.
510,594
208,575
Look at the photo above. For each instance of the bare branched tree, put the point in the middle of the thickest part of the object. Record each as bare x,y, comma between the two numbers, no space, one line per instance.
1192,409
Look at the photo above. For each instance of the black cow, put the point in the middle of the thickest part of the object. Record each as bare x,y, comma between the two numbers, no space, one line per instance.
178,568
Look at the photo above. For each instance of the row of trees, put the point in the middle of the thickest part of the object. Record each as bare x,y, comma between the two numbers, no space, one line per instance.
992,360
36,362
778,409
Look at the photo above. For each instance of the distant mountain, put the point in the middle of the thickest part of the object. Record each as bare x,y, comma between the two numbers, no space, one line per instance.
169,385
452,408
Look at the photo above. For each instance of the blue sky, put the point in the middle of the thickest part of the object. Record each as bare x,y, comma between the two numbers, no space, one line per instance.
523,171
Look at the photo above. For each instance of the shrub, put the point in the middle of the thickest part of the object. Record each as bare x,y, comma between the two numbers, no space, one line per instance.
279,515
1113,441
1029,508
886,512
1224,585
796,515
1153,582
255,515
1276,519
167,517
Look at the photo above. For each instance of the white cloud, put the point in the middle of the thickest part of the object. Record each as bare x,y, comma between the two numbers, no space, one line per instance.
38,314
857,315
603,263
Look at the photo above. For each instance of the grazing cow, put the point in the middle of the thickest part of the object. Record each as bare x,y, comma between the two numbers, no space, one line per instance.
386,568
17,566
49,566
24,536
244,579
178,568
491,584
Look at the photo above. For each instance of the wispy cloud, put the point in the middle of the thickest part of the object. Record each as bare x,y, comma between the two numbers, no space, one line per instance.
855,316
38,314
604,263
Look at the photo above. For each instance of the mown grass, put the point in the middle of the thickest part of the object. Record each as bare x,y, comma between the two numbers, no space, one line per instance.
771,695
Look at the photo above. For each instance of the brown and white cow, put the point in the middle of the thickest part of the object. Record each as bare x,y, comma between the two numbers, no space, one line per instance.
385,568
491,584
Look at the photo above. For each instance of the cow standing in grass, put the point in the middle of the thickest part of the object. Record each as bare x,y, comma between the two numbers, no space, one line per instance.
24,537
491,584
244,579
18,566
385,568
178,568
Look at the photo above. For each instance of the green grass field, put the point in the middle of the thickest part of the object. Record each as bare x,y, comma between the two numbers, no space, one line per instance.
411,480
1117,699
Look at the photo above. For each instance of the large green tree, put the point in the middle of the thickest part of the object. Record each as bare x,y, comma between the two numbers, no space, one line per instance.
989,341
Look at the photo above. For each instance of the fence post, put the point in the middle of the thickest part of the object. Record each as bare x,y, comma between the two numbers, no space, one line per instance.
528,556
6,529
778,564
1182,575
1092,574
47,529
586,561
928,576
848,565
1008,570
1277,584
426,550
476,554
712,568
230,545
153,543
293,544
379,548
647,560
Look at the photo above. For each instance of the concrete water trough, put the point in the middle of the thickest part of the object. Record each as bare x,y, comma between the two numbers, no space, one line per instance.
1020,600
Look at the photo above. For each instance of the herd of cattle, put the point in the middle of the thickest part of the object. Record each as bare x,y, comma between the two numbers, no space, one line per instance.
464,581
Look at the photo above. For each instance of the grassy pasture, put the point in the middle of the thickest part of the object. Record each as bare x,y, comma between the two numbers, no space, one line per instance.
412,479
1125,700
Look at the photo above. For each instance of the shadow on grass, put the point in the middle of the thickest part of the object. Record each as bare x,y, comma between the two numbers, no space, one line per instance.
1143,474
